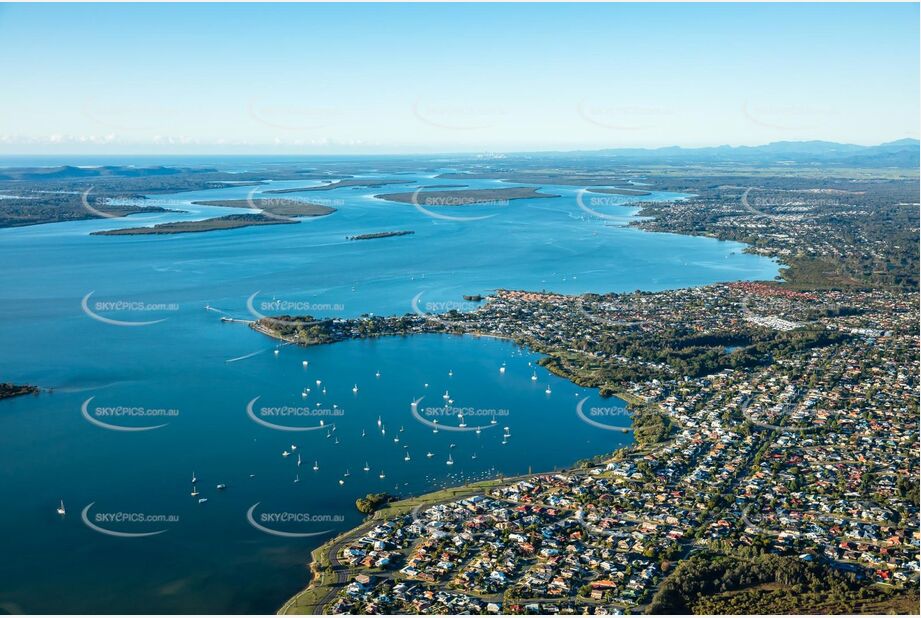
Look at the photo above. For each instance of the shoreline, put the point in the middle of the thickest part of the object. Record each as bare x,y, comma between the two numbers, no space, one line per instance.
322,560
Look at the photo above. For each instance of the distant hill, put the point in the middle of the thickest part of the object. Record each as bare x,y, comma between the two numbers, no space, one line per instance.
900,153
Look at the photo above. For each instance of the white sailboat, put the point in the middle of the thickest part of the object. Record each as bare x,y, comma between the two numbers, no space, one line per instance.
355,389
304,363
534,376
406,457
446,396
379,422
377,374
382,475
194,478
450,461
367,468
548,389
285,453
316,466
221,486
61,509
297,478
430,454
194,491
298,460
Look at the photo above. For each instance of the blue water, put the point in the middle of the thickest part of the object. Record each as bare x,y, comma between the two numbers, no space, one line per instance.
210,559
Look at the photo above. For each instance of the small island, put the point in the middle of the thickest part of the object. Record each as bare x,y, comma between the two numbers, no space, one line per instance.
619,191
380,235
464,197
350,182
8,390
261,212
229,222
279,207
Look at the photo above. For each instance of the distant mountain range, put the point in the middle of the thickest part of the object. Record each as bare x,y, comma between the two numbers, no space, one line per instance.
900,153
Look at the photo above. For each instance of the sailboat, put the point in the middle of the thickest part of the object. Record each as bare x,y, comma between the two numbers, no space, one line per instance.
446,396
316,466
285,453
293,447
377,374
502,368
534,376
379,423
473,456
319,382
430,454
363,433
367,468
221,486
406,457
297,478
341,482
450,461
396,439
61,510
194,491
493,421
382,475
548,389
435,428
194,478
347,473
450,373
304,363
298,460
355,389
462,423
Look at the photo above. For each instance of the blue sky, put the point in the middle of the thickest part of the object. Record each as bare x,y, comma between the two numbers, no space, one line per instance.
361,78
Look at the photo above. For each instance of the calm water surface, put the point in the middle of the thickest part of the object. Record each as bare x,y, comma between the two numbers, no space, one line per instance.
208,557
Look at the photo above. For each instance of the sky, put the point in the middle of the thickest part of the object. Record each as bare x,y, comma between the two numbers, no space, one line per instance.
420,78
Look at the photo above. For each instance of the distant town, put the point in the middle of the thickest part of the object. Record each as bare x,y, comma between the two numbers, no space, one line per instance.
776,428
